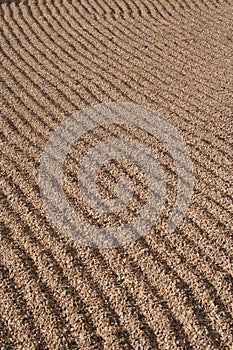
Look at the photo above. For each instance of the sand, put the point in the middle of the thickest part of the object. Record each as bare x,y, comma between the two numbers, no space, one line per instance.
162,291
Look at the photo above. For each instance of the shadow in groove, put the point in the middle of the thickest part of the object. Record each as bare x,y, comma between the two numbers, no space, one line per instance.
54,306
5,335
10,1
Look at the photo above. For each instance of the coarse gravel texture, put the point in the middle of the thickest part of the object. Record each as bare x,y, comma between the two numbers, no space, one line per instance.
163,291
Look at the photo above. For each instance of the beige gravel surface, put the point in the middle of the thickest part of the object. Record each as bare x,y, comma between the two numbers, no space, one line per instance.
163,291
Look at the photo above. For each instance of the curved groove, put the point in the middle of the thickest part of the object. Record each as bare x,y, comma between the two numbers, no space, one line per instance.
54,30
138,35
80,305
95,287
87,89
172,40
202,231
83,19
35,85
199,274
18,299
167,28
195,161
89,280
175,275
217,204
51,12
192,302
111,311
141,317
59,34
46,291
89,92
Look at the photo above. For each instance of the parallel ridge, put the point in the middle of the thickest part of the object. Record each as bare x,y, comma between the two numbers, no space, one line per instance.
168,292
146,8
